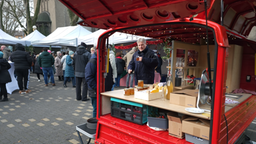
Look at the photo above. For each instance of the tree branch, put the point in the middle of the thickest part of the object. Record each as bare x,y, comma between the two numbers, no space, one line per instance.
16,17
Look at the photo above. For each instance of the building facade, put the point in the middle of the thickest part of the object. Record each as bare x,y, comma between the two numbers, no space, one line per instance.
52,14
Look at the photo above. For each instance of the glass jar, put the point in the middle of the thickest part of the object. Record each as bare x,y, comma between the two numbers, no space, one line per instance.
140,83
127,91
132,91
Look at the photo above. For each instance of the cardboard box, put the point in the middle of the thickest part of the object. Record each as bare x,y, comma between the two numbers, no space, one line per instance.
196,140
175,125
196,127
187,98
146,95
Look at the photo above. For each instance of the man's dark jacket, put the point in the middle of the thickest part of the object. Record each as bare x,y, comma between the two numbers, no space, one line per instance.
45,59
91,73
21,59
145,69
81,58
120,64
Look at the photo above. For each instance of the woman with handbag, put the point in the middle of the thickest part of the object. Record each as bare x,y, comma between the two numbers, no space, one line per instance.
4,77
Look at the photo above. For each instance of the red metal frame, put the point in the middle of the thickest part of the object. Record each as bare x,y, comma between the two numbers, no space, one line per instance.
219,86
112,130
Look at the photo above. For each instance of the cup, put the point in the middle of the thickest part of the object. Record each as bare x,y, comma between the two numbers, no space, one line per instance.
137,58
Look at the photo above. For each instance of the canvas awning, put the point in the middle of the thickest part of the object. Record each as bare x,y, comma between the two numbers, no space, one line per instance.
63,36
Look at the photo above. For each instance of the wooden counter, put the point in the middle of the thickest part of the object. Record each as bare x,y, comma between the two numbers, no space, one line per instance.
161,103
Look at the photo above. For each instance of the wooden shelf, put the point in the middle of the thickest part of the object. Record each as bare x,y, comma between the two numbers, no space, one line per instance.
185,87
159,103
183,67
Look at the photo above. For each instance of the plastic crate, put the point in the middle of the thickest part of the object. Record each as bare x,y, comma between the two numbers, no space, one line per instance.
158,122
129,111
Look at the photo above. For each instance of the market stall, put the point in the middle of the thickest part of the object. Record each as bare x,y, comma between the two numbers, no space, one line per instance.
36,36
198,49
7,39
63,36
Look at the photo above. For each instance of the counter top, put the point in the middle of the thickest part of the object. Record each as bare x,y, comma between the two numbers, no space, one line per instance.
159,103
164,104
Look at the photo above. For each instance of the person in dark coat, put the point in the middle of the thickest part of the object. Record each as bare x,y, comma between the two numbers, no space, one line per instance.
91,79
46,61
160,62
38,69
4,77
120,64
69,70
22,63
109,79
143,63
81,58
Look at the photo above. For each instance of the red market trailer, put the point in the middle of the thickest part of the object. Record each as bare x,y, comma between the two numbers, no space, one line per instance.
184,21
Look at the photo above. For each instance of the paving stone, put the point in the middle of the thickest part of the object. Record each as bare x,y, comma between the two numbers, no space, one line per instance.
5,113
73,141
18,120
12,109
69,123
45,119
4,121
59,119
26,125
40,124
31,120
11,125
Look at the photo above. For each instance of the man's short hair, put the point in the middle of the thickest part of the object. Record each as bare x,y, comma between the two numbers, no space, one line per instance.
45,49
118,54
141,40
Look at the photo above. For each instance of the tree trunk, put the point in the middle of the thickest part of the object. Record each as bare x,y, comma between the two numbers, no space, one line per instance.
1,15
28,18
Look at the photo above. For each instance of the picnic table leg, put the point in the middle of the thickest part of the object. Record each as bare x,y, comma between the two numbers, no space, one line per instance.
89,140
81,141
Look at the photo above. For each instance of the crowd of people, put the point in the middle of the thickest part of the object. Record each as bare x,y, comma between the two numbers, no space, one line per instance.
79,67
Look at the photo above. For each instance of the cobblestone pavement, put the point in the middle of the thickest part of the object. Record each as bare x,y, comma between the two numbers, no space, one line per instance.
46,115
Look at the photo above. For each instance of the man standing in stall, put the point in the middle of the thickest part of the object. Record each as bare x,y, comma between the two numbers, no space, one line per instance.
143,63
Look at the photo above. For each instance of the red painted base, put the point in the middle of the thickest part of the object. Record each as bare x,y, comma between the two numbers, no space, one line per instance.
114,130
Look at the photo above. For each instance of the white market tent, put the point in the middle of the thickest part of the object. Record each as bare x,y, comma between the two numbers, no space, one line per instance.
34,36
63,36
7,39
116,38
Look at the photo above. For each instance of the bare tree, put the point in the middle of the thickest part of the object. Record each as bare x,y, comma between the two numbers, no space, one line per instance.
73,17
7,22
17,12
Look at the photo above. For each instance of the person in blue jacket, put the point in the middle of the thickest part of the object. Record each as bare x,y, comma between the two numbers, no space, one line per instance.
69,69
91,79
143,63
